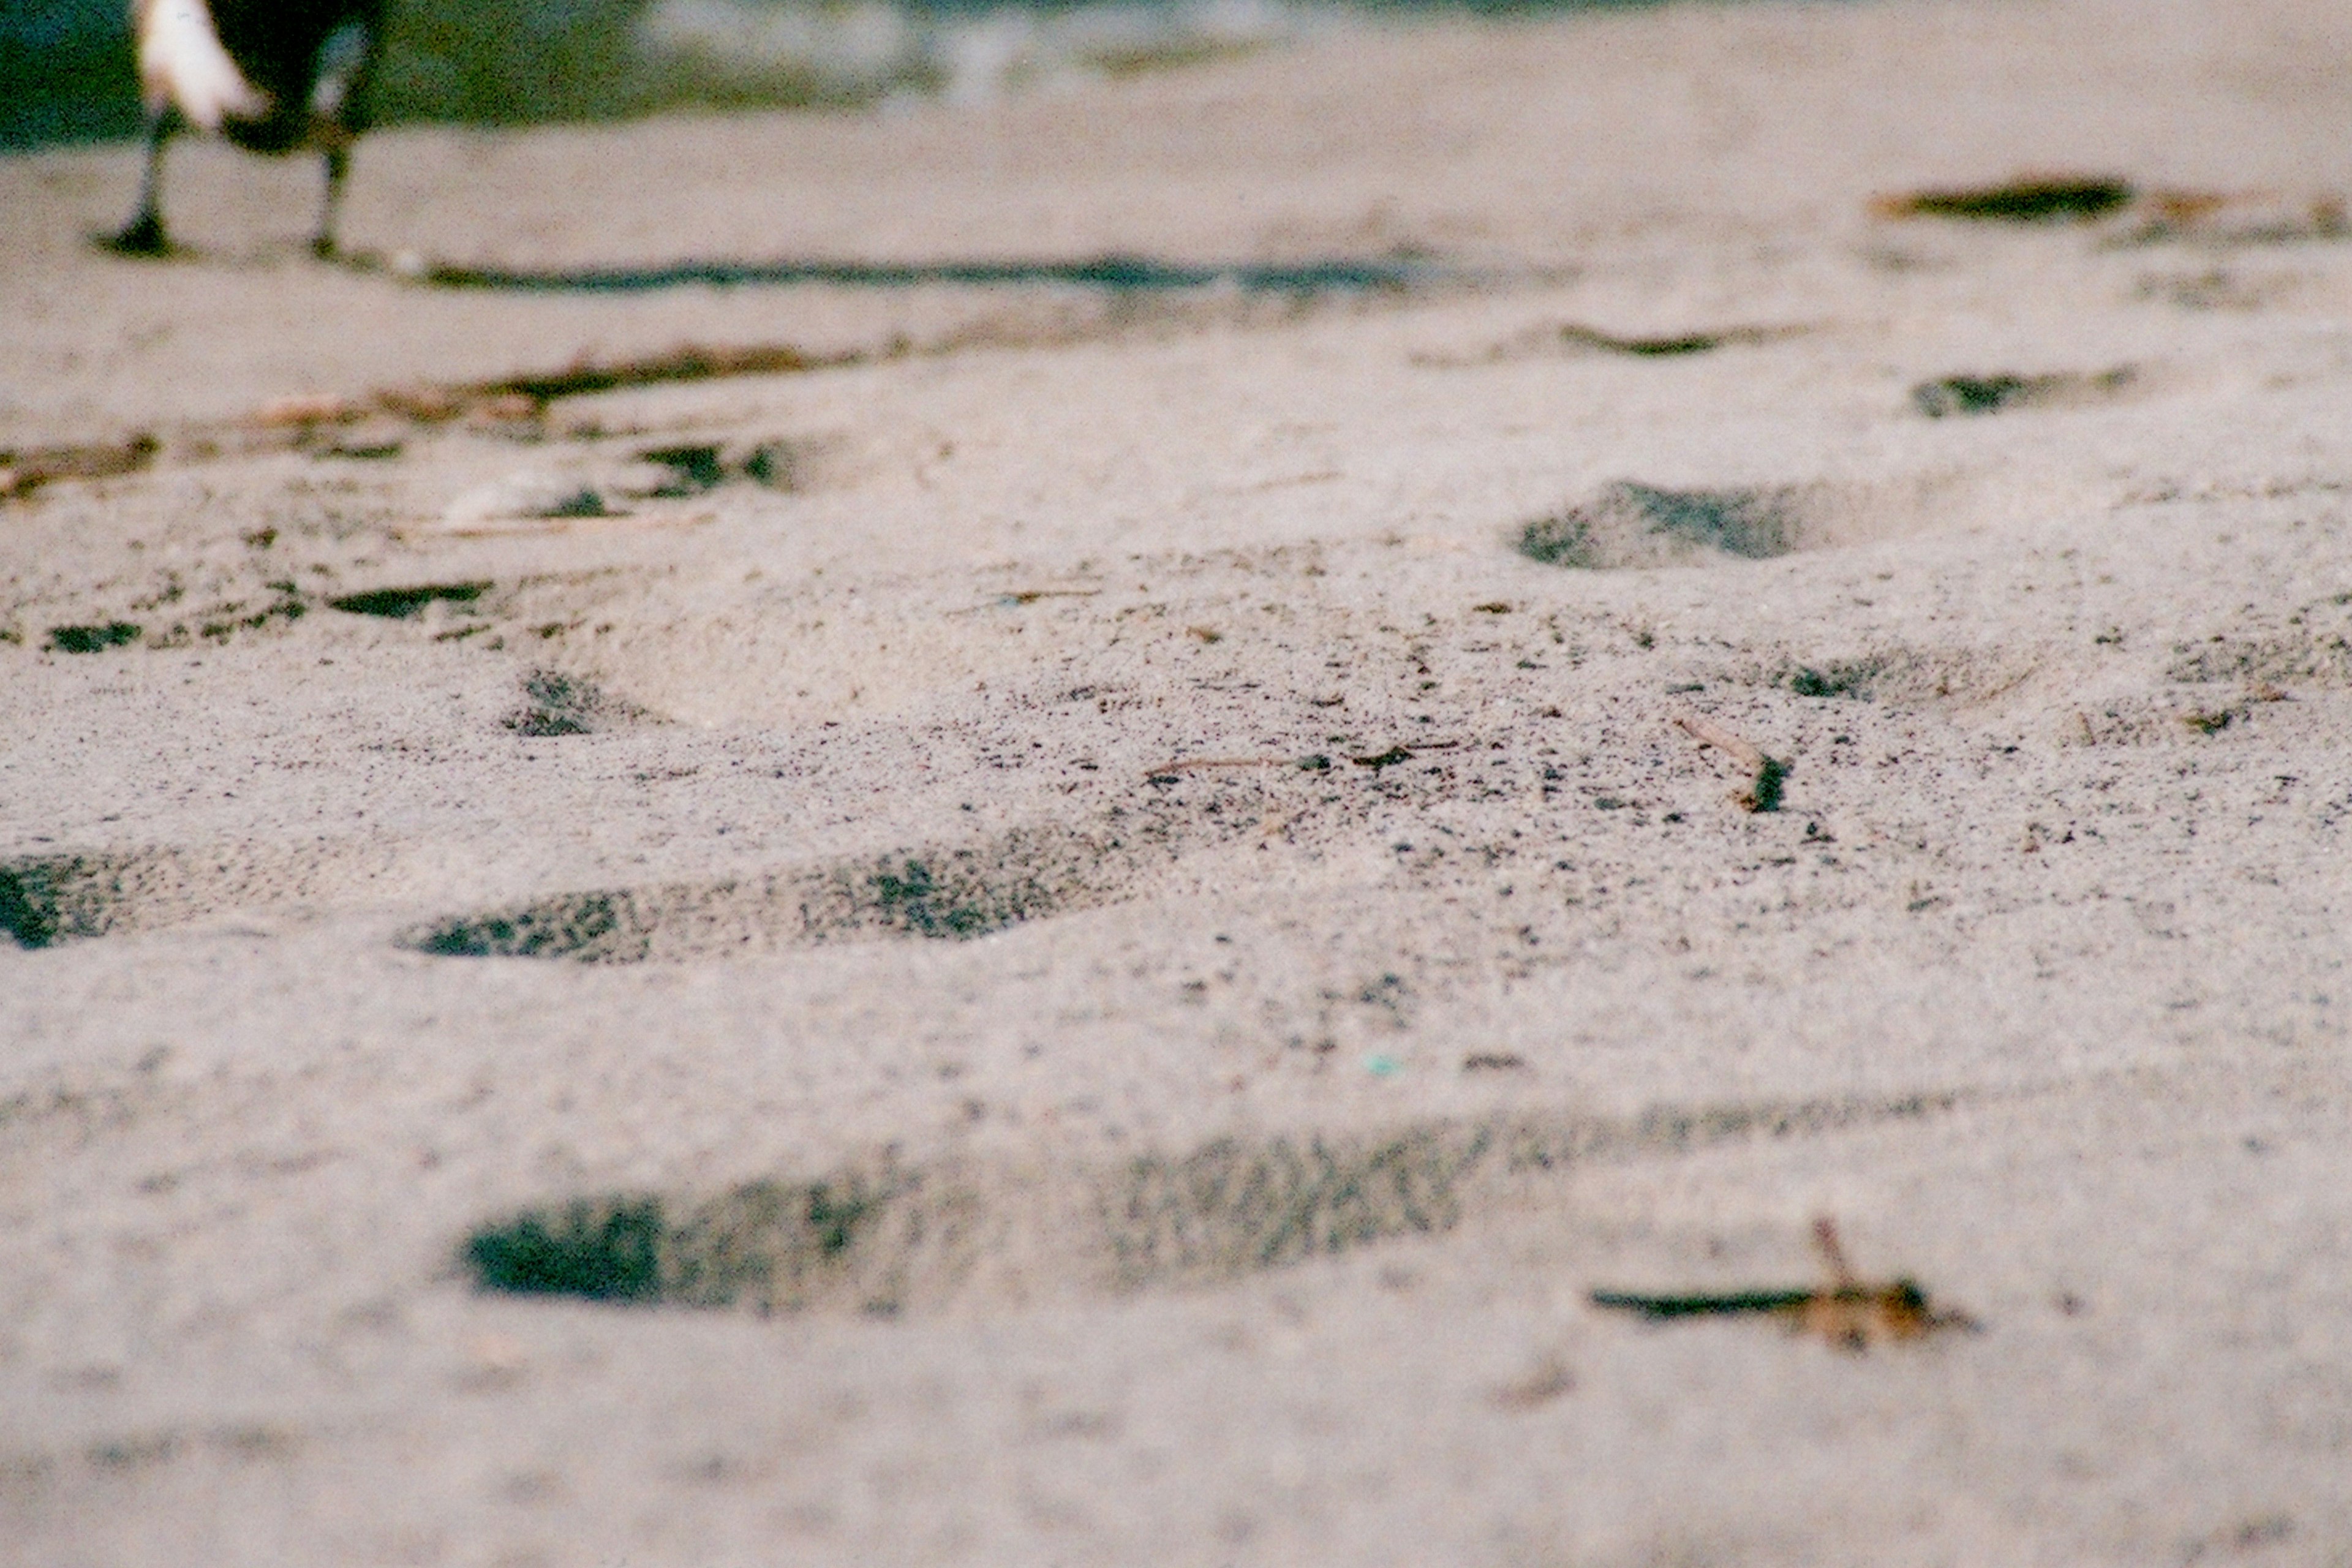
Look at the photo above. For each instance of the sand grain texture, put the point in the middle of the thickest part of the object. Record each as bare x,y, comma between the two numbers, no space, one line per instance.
1071,924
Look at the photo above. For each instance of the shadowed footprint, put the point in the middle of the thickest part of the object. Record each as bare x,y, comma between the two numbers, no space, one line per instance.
1906,677
50,898
938,893
1629,525
1632,524
2314,653
883,1236
1996,394
555,703
951,891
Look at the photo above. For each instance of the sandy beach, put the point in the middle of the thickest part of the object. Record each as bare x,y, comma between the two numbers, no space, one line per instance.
950,903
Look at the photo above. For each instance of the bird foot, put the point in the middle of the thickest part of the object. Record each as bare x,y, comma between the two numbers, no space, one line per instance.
144,237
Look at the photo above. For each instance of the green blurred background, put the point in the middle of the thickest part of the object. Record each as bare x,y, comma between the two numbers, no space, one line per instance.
67,74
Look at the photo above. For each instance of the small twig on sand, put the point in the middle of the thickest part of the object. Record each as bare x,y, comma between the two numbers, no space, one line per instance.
503,401
1767,773
1668,347
1031,596
1849,1314
22,473
1013,598
526,396
1710,733
1314,764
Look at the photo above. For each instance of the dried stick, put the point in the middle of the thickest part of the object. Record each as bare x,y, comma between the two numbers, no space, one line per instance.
1187,764
1849,1314
1768,773
22,473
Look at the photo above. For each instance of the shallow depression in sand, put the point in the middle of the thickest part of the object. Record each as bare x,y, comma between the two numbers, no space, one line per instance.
934,891
1631,524
66,897
882,1236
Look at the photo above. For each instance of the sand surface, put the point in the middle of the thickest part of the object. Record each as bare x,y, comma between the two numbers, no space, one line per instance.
1103,957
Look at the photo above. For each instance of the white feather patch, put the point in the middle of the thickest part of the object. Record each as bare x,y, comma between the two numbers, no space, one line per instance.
181,62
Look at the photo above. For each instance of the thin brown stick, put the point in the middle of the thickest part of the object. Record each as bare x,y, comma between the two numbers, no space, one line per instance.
1710,733
1852,1314
1833,1251
22,473
1191,765
1766,773
508,400
1025,596
1696,343
1031,596
527,395
1314,764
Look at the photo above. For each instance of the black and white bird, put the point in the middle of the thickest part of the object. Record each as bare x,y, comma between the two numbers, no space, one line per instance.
271,76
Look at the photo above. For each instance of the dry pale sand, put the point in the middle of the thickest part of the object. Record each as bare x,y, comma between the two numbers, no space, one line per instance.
1036,1153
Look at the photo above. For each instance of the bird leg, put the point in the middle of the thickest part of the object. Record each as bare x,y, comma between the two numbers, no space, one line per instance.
144,235
338,110
339,167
